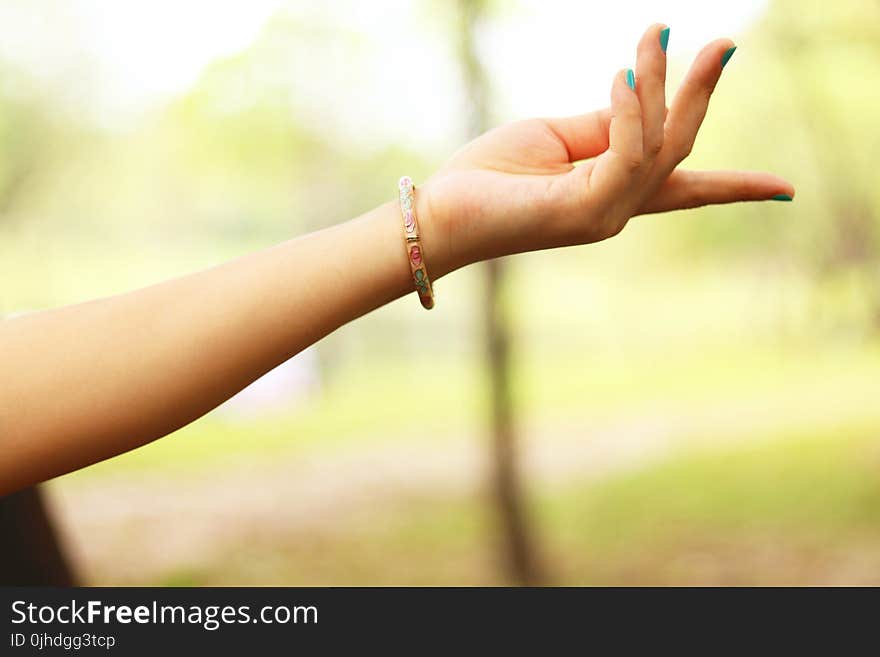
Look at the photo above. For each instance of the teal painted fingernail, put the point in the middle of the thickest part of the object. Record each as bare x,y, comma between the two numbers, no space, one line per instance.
726,56
782,197
664,38
631,79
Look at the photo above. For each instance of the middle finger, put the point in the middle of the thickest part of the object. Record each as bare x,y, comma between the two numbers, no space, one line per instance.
651,87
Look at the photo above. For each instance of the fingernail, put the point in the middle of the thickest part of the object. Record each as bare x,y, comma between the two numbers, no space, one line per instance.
782,197
631,79
726,56
664,38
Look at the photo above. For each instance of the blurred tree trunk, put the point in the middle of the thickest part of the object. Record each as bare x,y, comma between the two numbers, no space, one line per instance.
30,553
520,553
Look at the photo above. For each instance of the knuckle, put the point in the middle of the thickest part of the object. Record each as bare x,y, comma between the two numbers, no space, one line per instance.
704,94
653,148
532,123
629,114
684,149
743,185
614,226
632,161
609,223
695,198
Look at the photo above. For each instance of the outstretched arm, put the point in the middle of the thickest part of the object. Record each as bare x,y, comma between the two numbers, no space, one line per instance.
86,382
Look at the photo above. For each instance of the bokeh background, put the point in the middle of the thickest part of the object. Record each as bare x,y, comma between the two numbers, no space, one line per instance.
692,402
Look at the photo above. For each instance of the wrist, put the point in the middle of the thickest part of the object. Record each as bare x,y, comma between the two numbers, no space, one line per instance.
432,211
462,225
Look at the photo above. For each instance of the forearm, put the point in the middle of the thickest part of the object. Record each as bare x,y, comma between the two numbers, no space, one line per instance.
86,382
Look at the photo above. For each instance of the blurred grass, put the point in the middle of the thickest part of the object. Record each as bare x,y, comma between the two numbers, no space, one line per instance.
792,509
815,484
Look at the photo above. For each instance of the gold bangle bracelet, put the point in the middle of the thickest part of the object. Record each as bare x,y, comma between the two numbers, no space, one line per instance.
415,254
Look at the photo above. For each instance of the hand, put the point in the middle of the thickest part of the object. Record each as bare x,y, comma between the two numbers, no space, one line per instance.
516,188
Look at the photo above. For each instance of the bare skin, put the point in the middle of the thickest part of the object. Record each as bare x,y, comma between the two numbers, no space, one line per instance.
84,383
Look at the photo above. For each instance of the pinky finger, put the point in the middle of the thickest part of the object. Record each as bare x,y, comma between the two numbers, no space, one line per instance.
692,189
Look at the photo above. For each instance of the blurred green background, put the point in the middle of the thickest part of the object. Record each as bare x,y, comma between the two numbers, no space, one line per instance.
695,401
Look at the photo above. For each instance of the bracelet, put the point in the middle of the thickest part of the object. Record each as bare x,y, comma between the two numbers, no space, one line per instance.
414,252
